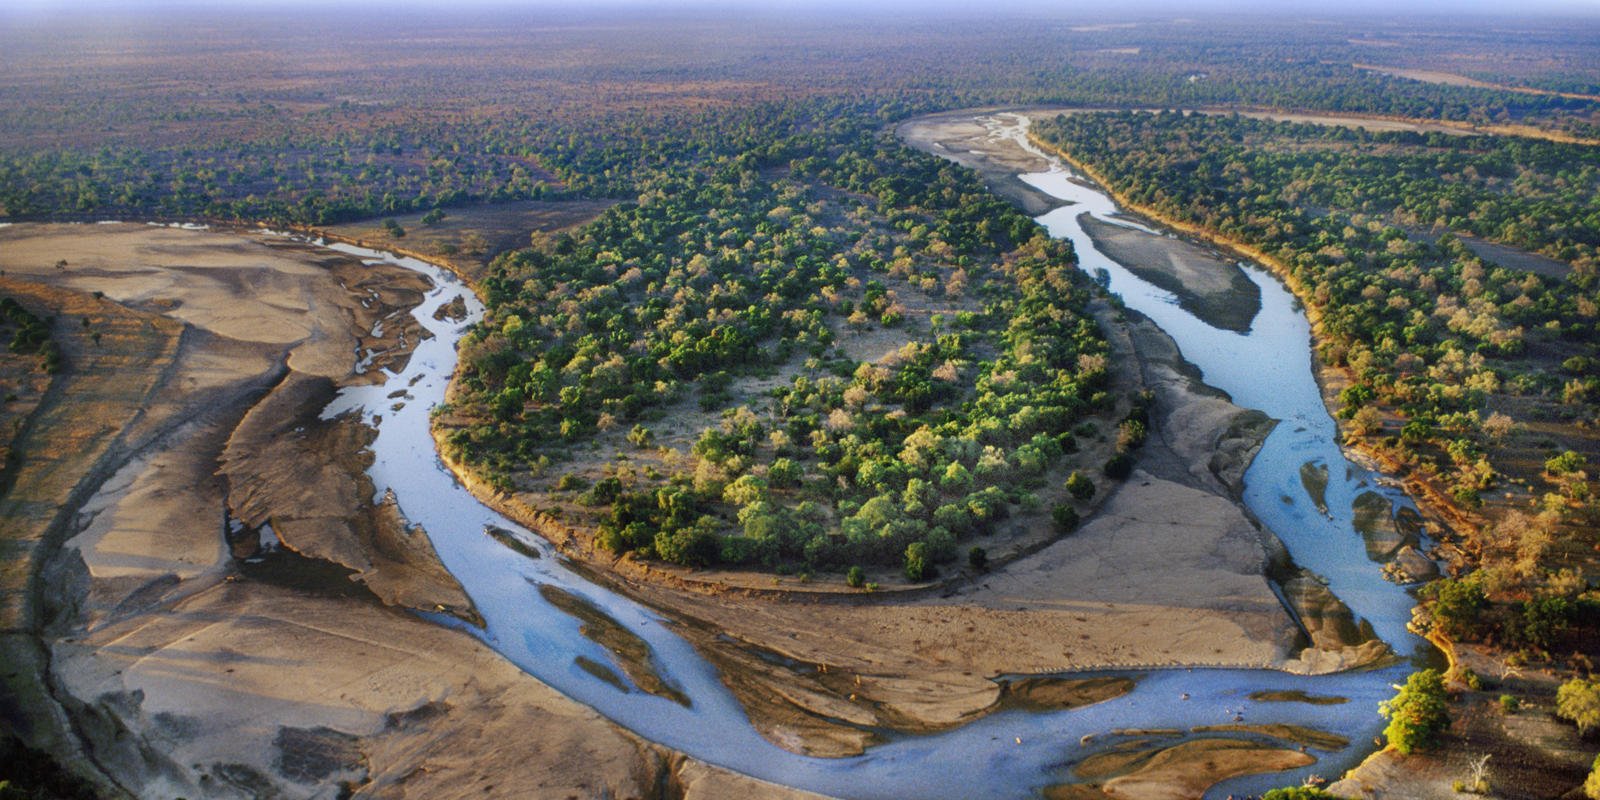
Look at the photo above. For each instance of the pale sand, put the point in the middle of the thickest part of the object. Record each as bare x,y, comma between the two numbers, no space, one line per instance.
171,674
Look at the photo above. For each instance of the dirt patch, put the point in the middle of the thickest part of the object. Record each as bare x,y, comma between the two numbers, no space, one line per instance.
962,138
1180,771
1297,696
1517,259
1055,694
633,654
467,238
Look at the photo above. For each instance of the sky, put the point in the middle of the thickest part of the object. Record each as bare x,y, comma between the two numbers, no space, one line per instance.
1589,8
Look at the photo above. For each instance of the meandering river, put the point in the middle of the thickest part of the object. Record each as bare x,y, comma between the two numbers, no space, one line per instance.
1011,753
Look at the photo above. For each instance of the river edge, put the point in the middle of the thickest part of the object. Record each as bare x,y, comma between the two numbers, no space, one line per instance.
967,719
1330,379
407,717
646,583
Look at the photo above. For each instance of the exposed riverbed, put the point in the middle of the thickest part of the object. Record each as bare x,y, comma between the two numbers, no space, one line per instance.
1016,752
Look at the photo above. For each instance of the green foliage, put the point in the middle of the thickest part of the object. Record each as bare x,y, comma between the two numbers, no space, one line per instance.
641,437
1455,606
918,566
1591,784
31,334
855,577
1578,702
1565,463
1417,713
978,558
1065,518
1301,793
1119,467
1542,622
1509,703
1080,487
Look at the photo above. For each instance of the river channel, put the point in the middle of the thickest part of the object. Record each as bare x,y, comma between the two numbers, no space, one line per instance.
1007,754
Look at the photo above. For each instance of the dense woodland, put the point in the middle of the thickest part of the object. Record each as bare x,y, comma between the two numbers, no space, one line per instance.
327,120
1473,372
767,214
754,265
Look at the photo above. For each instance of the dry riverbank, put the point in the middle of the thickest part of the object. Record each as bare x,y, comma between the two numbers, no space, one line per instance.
152,653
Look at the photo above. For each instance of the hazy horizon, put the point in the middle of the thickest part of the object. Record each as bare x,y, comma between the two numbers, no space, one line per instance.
1126,9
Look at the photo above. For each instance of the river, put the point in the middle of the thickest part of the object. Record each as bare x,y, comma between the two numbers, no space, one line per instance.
1011,753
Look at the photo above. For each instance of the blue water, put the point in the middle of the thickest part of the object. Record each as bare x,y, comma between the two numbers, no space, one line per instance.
1269,369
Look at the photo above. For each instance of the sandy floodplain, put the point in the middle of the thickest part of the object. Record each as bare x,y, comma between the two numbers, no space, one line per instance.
168,658
162,652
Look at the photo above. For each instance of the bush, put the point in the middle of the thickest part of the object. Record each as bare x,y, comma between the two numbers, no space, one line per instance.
1591,784
784,474
1301,793
1509,704
1457,606
1065,518
918,567
1080,487
1568,461
641,436
855,578
1543,622
1578,702
1119,467
978,558
1417,713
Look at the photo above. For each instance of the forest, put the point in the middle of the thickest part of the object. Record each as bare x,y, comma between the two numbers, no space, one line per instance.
755,267
1469,370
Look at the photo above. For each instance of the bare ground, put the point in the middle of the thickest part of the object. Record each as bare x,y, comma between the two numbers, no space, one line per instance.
140,652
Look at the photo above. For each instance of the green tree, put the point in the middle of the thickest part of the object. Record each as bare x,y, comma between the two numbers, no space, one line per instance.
917,566
1417,713
1578,702
1457,605
1591,784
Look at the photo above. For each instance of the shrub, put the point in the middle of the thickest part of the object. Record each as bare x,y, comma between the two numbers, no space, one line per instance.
1417,713
1080,487
1300,793
1591,784
855,578
641,436
1457,606
978,558
1578,702
784,474
918,567
1509,704
1065,518
1568,461
1119,467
